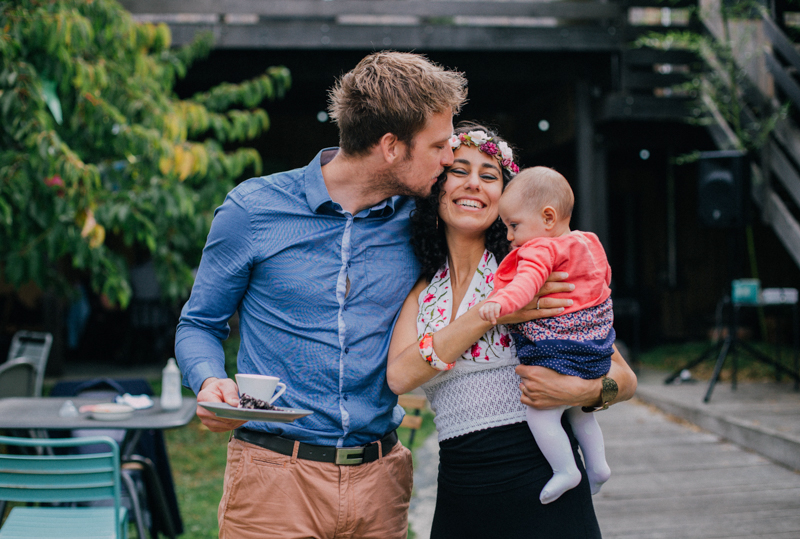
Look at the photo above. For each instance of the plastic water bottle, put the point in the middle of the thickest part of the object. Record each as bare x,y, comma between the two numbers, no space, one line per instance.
171,398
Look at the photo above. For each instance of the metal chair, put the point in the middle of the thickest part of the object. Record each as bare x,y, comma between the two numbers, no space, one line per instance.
62,479
18,378
35,346
155,505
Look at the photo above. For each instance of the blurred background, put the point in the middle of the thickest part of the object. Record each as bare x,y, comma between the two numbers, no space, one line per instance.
622,97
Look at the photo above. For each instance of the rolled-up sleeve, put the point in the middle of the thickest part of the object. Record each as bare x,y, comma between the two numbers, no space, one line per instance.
221,281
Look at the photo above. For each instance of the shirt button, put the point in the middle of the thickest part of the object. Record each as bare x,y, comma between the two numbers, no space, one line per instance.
344,396
347,350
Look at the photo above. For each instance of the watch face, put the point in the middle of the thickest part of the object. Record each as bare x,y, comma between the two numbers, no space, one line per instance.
610,389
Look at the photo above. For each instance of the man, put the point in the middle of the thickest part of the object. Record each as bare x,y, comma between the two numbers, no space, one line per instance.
317,263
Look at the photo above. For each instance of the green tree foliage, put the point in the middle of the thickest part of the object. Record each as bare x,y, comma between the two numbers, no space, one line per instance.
99,159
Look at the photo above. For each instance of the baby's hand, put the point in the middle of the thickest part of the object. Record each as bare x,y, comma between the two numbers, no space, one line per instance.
490,311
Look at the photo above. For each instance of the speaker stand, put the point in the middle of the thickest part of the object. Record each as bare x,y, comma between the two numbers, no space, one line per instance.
731,345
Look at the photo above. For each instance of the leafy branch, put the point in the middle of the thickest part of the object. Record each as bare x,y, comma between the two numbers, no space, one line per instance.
101,165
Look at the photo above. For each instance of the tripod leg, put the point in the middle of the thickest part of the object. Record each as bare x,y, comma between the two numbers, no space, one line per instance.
769,361
733,330
796,346
718,368
699,359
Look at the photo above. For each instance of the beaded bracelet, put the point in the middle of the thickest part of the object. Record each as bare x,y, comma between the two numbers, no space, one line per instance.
429,355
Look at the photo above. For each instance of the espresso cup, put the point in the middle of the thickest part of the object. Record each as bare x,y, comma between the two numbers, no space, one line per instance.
260,386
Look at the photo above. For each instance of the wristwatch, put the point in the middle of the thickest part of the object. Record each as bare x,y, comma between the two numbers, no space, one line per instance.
608,394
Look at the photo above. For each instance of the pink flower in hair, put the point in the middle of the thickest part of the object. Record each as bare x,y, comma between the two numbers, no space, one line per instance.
514,168
489,148
505,151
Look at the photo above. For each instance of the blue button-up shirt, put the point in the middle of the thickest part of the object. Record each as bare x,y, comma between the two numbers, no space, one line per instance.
281,252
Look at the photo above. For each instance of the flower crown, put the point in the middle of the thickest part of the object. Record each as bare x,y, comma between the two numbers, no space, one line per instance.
482,141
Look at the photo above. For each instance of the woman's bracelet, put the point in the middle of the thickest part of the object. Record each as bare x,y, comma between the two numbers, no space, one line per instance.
429,355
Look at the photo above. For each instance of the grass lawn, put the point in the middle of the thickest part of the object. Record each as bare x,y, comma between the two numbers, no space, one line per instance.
672,356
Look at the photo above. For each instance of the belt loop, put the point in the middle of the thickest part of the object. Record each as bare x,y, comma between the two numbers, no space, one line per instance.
380,452
295,449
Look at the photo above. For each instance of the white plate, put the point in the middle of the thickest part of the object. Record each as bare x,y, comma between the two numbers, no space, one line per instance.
111,412
281,415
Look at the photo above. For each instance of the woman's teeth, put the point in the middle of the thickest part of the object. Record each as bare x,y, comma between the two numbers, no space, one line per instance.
470,204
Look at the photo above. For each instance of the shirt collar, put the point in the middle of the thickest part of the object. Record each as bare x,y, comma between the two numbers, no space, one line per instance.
317,193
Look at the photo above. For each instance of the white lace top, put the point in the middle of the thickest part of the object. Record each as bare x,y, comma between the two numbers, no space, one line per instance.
482,390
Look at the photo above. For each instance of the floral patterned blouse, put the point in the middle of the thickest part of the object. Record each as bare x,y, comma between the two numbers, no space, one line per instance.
496,347
482,390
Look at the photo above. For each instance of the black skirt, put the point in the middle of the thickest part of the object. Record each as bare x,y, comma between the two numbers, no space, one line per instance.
489,485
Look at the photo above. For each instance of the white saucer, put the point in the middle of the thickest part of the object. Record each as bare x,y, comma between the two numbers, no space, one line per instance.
111,412
280,415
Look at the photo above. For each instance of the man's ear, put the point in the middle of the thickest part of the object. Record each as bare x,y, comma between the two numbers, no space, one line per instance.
549,217
390,147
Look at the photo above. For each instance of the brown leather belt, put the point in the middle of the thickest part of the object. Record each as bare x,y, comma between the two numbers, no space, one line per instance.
343,456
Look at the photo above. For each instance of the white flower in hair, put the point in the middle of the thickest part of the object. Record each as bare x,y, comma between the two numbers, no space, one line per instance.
505,151
479,137
455,142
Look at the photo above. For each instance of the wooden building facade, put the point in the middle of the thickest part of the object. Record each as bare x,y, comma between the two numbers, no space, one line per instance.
561,81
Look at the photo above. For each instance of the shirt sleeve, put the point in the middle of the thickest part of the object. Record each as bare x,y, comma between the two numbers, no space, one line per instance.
534,265
221,281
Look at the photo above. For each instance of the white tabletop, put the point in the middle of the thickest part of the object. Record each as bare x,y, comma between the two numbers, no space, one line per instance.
42,413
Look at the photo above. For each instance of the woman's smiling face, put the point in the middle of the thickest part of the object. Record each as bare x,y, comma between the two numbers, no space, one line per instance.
471,192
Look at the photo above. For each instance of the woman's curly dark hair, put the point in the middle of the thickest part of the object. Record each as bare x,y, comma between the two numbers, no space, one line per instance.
429,241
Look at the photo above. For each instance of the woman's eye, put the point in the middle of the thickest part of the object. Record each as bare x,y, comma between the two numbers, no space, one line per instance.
489,177
458,171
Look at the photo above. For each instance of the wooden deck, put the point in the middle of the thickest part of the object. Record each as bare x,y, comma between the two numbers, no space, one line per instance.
670,480
673,480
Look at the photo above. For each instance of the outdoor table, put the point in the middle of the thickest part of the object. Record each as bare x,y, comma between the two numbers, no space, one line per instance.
41,413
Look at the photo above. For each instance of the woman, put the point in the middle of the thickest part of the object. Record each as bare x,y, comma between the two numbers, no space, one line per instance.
491,471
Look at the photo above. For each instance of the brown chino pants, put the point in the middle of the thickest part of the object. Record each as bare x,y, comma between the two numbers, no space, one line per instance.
269,495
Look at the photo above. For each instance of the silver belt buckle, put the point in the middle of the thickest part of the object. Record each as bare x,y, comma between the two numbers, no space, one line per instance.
349,456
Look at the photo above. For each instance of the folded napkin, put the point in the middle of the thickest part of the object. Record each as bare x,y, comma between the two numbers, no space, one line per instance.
137,402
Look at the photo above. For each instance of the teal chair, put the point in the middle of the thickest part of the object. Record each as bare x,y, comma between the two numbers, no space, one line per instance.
62,479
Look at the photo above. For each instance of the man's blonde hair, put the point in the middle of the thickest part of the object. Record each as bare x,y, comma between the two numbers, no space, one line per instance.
537,187
392,92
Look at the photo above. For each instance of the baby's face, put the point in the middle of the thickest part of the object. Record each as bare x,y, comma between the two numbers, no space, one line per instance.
523,223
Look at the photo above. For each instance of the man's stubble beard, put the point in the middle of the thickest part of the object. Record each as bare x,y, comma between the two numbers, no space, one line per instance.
390,183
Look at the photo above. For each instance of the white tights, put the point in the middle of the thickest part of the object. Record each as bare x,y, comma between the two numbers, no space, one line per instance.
554,444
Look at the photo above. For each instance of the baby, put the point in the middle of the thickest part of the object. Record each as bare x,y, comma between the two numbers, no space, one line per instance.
536,208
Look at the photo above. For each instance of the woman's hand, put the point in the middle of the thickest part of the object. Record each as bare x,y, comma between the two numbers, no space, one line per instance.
542,306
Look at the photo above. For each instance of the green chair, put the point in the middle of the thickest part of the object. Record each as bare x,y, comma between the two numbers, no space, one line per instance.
62,479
